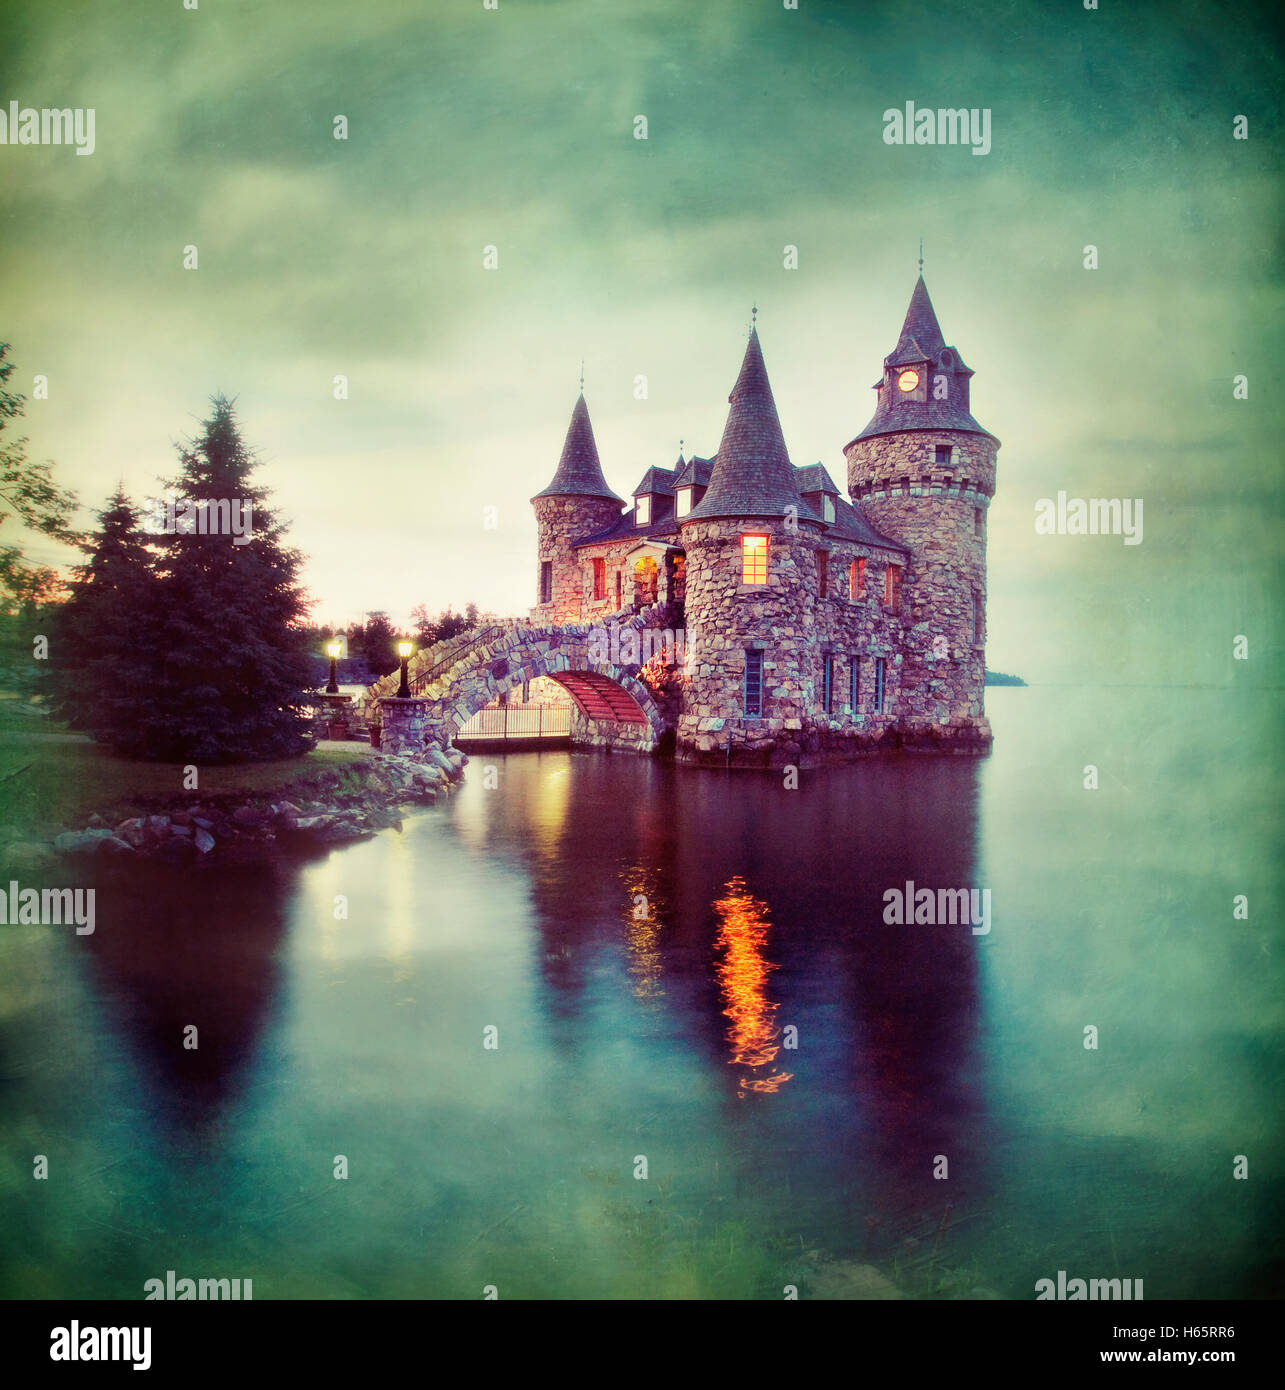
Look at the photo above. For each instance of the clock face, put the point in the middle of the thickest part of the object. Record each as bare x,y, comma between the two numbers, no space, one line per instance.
907,381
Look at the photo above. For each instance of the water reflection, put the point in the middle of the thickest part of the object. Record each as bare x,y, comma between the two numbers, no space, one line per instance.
754,1037
642,936
887,1064
644,911
187,966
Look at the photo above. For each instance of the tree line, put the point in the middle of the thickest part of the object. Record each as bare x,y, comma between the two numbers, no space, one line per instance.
178,639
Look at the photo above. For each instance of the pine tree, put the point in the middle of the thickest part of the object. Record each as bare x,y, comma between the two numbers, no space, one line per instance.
96,654
228,666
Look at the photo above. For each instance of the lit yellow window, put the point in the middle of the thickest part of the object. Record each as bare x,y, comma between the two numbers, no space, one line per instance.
753,559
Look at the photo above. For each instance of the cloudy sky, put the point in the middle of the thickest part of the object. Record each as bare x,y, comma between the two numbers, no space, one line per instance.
515,128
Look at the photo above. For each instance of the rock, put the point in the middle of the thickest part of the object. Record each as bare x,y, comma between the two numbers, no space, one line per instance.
181,830
204,822
96,822
82,841
113,844
313,823
178,849
181,818
204,840
247,817
435,758
288,810
156,827
131,831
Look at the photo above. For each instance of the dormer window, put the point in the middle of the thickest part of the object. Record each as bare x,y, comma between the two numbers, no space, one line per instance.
684,503
642,511
827,506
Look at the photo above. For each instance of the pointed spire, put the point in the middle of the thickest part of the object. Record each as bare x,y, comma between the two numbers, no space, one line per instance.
752,473
579,469
922,342
921,338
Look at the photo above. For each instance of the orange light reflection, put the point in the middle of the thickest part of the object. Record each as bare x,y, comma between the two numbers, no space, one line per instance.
742,973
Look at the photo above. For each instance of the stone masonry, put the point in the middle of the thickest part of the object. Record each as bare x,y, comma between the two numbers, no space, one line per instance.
811,626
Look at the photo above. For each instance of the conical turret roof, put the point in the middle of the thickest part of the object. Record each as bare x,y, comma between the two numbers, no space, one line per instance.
921,338
579,471
752,474
921,341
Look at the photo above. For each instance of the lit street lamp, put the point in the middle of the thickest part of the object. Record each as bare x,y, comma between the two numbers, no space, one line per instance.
404,650
334,648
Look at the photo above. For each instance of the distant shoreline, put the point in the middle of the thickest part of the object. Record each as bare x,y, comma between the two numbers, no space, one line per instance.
1000,678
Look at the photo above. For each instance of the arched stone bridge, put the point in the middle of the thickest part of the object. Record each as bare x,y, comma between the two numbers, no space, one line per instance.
456,679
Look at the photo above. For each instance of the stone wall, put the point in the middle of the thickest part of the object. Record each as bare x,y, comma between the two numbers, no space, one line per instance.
940,512
525,652
560,522
611,734
796,627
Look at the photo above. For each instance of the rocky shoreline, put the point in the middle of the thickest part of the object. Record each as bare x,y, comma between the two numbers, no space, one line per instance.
318,810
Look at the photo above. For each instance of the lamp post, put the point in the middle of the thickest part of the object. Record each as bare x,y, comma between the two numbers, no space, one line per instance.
333,648
404,650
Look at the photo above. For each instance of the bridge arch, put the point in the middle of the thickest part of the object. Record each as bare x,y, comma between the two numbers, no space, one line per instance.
599,690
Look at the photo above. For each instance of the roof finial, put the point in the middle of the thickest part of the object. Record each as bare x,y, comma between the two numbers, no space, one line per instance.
754,313
921,255
680,448
582,376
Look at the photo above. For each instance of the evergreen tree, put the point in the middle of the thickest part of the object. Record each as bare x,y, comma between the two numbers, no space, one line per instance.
379,644
228,661
97,656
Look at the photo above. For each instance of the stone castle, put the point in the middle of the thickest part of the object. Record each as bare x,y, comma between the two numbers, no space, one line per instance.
816,625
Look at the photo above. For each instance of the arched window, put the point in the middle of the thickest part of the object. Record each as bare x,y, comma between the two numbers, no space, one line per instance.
646,582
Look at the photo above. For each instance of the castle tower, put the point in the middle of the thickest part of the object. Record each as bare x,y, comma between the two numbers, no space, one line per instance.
576,504
751,588
923,471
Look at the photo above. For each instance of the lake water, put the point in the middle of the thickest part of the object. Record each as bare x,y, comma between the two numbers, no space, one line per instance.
646,939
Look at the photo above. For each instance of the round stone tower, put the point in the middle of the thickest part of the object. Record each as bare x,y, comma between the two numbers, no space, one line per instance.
576,505
923,471
751,591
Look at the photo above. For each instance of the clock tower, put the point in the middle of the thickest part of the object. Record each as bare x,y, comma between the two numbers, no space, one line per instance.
923,471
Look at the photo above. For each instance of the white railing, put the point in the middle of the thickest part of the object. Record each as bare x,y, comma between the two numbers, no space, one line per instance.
519,721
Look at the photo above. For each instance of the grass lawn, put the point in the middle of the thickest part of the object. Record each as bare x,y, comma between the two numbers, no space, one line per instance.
46,784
